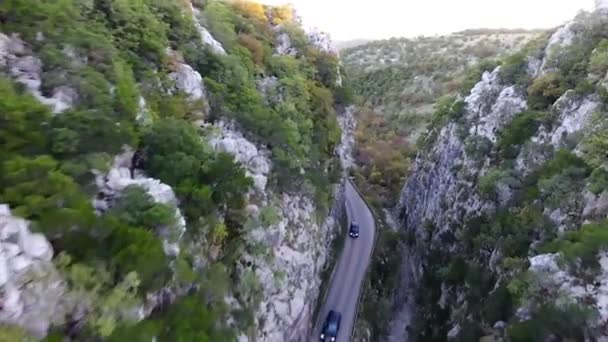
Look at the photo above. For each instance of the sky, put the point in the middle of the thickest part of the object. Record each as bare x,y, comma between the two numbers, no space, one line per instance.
380,19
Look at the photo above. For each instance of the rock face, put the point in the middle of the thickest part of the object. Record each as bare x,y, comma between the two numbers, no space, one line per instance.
492,105
443,193
290,281
119,177
188,81
322,41
283,45
31,286
225,138
26,69
558,282
348,125
287,243
206,37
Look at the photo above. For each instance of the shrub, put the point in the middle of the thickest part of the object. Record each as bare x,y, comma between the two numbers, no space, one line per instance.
137,208
474,74
545,90
599,59
523,126
514,70
598,181
477,147
203,180
565,322
498,306
583,245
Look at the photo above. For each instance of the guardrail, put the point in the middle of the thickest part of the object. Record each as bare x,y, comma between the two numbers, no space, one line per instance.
361,289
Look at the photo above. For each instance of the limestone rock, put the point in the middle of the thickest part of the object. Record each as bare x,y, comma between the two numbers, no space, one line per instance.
348,125
574,115
31,289
225,138
283,45
206,37
112,183
26,69
188,81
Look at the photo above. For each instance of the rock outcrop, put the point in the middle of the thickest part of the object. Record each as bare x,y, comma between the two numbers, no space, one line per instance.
188,81
287,245
26,69
31,288
122,175
206,37
348,125
225,138
443,194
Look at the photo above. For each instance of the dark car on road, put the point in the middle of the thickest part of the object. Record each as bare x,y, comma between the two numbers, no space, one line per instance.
354,230
331,326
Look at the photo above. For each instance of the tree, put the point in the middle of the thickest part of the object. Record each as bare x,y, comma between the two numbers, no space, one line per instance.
107,303
37,190
135,207
22,122
136,250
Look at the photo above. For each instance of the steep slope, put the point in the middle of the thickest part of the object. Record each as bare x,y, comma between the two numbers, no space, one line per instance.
178,163
399,83
402,75
505,206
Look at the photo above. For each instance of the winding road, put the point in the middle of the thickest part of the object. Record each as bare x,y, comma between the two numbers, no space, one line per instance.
347,280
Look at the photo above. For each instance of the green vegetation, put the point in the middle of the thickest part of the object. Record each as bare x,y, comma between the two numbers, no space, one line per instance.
519,130
111,52
402,75
582,245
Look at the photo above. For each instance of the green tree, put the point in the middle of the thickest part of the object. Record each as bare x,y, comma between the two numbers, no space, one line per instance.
135,207
37,190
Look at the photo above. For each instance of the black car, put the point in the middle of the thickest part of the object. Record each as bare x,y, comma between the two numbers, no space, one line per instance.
331,326
354,230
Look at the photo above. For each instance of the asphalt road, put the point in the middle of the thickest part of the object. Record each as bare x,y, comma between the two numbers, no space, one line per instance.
347,281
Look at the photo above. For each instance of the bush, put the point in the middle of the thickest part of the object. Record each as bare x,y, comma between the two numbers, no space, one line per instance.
564,322
203,180
583,245
598,64
514,70
477,147
137,208
523,126
545,90
598,181
474,74
498,306
37,190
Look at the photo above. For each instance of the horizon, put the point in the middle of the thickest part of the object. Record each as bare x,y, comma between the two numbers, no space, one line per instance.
388,19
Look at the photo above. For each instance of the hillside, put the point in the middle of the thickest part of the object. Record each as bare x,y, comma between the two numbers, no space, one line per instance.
502,218
401,75
168,170
399,83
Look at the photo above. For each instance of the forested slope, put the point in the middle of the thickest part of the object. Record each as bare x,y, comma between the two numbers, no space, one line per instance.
167,169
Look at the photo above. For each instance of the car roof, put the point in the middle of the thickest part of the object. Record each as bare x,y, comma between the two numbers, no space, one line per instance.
334,315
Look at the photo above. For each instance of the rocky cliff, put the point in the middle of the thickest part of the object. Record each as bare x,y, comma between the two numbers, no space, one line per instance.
188,175
503,203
